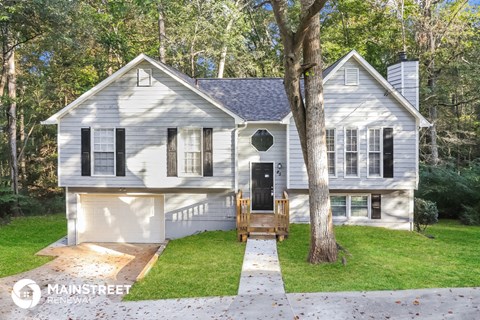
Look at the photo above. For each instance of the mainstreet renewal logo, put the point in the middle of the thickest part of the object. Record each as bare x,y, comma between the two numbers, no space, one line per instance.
26,293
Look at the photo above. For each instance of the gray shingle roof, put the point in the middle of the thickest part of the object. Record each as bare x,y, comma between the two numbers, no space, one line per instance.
253,99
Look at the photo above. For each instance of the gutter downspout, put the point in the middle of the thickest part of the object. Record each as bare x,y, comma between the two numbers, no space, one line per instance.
237,131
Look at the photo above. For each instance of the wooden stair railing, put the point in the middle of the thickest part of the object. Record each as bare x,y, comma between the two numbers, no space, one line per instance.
282,216
243,217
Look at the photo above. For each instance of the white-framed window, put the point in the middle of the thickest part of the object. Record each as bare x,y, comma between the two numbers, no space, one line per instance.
331,156
144,77
339,205
351,152
103,152
374,152
355,206
359,206
190,152
351,76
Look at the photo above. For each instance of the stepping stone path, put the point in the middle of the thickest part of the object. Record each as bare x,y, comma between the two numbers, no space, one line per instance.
261,294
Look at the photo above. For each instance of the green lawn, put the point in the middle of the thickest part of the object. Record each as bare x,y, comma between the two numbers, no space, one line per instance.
386,259
207,264
25,236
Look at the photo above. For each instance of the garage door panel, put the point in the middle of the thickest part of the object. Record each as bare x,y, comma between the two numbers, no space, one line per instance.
121,219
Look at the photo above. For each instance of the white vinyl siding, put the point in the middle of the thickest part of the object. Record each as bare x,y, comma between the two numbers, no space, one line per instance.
146,113
277,153
331,156
374,152
396,208
351,152
190,152
362,107
104,152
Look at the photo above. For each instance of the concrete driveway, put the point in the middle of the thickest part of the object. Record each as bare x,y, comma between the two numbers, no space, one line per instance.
98,266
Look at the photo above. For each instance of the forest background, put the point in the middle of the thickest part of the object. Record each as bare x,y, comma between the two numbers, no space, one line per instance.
54,50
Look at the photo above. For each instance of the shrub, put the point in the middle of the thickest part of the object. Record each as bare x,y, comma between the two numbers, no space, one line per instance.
471,215
425,214
452,189
8,203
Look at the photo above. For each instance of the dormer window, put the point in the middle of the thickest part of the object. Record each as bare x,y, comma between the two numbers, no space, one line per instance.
144,77
351,76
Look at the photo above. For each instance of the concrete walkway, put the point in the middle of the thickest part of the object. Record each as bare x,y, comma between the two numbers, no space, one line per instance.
261,294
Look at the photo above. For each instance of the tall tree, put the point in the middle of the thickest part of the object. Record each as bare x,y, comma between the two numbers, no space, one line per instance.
434,22
303,45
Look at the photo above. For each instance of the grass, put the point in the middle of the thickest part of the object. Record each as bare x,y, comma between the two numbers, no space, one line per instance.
207,264
25,236
385,259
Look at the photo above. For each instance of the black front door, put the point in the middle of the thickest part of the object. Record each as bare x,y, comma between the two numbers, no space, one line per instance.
262,186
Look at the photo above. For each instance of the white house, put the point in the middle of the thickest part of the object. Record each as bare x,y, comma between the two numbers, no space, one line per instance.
150,153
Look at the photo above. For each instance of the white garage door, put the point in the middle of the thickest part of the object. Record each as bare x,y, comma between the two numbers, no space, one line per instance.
108,218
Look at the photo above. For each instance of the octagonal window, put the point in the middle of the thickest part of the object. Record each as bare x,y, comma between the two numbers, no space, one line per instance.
262,140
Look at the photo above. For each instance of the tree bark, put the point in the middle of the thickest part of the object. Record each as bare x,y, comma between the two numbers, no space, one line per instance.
309,118
223,54
323,247
21,157
161,33
12,120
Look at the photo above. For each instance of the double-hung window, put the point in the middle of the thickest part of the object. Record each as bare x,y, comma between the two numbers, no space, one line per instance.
104,152
191,151
351,152
350,206
359,206
374,153
330,136
339,206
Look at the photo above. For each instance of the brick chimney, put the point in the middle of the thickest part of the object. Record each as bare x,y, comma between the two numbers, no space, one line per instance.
403,76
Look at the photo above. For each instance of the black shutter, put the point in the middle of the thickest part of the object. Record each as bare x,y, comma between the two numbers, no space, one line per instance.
376,206
207,152
85,150
388,152
171,152
120,151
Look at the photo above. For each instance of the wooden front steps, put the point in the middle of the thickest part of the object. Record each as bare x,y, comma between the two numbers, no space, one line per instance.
264,225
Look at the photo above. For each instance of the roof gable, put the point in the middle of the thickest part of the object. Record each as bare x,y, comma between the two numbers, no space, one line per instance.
175,74
330,71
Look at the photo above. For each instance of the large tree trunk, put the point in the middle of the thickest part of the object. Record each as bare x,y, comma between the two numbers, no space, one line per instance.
309,118
323,247
12,120
21,157
223,54
161,32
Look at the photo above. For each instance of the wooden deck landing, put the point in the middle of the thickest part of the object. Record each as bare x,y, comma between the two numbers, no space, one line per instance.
268,225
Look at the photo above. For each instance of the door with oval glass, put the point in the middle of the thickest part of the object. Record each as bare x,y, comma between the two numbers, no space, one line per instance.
262,186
